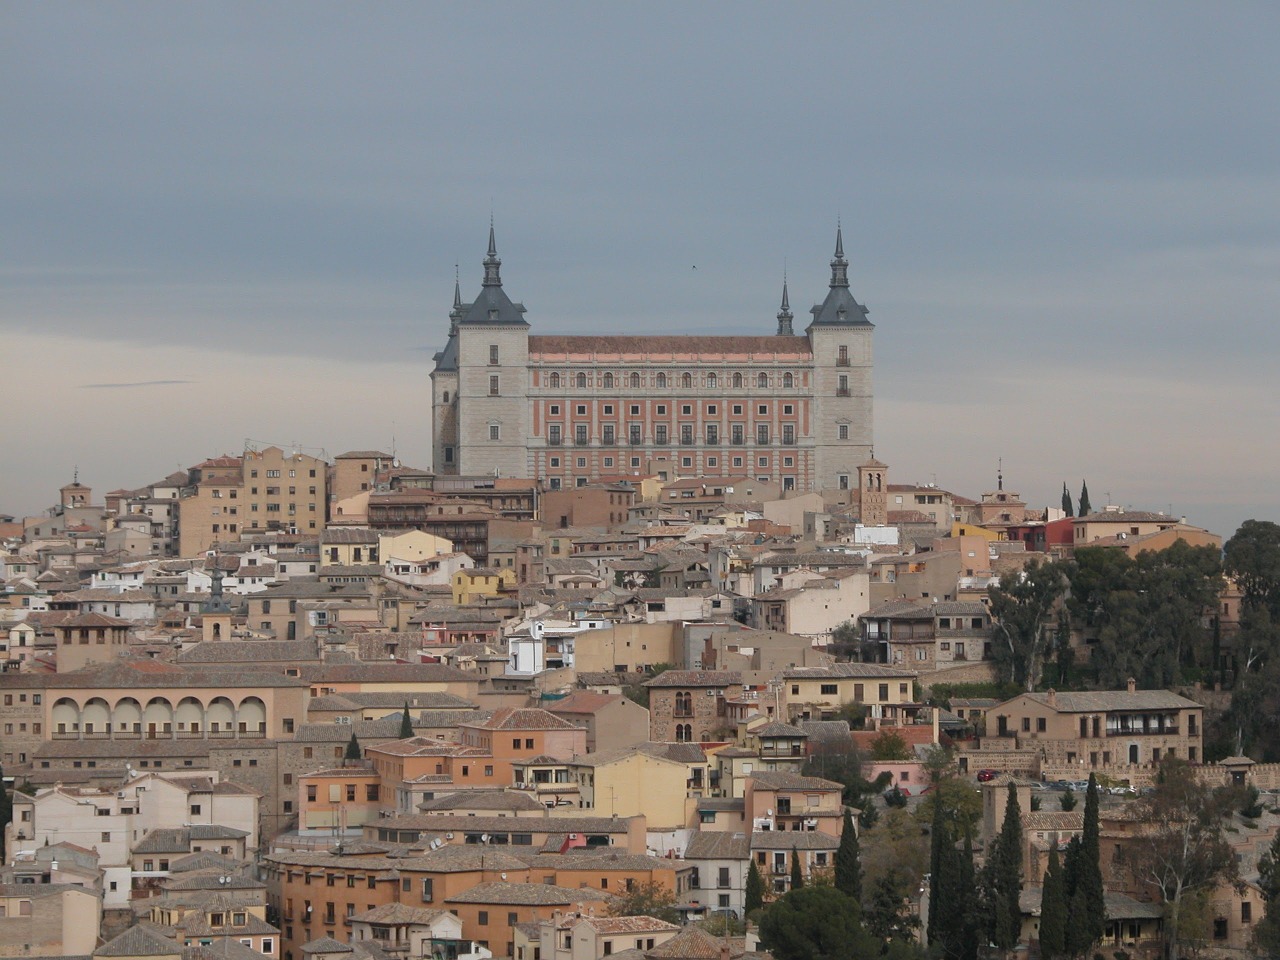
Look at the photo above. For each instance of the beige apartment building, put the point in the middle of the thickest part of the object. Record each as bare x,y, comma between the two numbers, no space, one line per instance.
283,491
1103,728
48,920
817,693
356,472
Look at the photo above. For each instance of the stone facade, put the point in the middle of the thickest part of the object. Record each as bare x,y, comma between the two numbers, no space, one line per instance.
571,410
688,706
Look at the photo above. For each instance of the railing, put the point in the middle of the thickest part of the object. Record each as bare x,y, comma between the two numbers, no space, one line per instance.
842,391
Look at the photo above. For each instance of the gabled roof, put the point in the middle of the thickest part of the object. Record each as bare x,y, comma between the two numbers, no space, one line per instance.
1113,700
695,678
141,940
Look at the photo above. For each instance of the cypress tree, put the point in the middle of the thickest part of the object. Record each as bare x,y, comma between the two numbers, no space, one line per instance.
1089,876
6,812
848,865
970,939
939,838
1066,499
1053,910
797,878
1004,876
754,892
353,749
1078,938
1085,508
406,723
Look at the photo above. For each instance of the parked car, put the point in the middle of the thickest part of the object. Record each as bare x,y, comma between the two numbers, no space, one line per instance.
1122,790
985,776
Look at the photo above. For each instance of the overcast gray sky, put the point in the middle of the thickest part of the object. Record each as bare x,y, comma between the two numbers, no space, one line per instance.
229,221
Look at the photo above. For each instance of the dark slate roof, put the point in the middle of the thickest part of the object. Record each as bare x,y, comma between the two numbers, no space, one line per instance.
839,307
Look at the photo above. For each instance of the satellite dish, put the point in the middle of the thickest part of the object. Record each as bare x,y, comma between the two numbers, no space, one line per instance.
768,813
484,838
503,875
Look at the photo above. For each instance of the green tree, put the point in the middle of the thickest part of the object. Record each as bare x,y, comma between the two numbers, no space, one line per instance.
1067,802
1085,507
753,894
889,746
1002,877
842,761
647,899
1266,934
6,812
816,923
848,864
406,723
895,844
1066,500
961,803
885,914
353,749
1089,870
1021,606
1183,848
1146,615
1053,910
797,875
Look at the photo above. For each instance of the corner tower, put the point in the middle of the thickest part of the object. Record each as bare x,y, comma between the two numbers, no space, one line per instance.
493,419
840,338
444,393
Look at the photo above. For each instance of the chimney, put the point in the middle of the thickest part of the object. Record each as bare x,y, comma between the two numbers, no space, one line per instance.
1131,685
1051,697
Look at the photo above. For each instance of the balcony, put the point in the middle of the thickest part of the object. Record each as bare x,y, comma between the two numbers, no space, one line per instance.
842,361
842,392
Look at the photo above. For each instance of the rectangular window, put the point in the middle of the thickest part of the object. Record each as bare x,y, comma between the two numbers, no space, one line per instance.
493,354
493,386
659,433
580,435
789,433
607,434
686,433
495,431
713,434
843,389
553,435
762,433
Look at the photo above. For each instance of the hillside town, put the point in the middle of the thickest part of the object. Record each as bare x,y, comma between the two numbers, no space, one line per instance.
289,705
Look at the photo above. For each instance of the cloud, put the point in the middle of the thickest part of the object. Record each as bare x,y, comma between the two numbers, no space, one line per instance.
134,383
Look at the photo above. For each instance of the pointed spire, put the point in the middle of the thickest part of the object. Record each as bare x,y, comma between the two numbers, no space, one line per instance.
839,266
784,315
492,278
457,288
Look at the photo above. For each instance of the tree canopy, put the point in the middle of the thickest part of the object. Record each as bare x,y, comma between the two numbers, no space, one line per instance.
1021,607
816,922
1183,849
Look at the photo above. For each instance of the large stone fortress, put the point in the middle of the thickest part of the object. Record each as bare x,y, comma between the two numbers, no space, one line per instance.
792,409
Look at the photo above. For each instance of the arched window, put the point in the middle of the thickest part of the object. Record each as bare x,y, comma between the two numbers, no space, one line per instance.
711,380
554,381
582,380
762,380
737,380
686,381
608,381
787,380
635,381
662,379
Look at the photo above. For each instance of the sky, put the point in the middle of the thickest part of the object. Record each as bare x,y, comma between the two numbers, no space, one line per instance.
240,221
